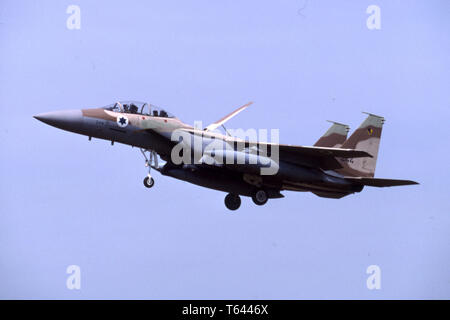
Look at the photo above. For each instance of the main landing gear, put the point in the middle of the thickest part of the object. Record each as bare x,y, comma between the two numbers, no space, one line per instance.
150,162
260,197
233,201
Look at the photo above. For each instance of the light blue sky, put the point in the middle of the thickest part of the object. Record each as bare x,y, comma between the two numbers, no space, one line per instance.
67,201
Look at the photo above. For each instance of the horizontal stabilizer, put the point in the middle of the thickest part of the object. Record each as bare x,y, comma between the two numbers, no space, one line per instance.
376,182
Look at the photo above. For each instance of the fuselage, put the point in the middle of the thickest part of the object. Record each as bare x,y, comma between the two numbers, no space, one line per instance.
154,130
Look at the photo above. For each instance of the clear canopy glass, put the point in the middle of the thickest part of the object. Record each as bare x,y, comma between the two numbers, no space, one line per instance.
136,107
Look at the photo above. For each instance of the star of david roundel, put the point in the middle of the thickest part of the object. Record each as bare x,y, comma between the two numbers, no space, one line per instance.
122,121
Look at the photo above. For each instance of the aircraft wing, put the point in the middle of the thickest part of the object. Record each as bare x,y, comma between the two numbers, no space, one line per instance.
220,122
323,158
316,157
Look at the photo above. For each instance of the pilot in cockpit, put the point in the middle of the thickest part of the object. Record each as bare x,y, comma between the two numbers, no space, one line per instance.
133,108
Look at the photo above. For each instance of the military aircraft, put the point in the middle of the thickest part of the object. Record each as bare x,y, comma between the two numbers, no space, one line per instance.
333,168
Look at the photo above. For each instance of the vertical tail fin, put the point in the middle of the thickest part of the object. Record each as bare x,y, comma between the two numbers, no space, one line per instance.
334,137
366,138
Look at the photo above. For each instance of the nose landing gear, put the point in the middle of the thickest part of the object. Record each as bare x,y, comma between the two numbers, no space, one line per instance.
149,182
150,162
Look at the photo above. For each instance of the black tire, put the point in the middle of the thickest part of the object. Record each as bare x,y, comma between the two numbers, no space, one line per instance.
149,182
260,197
232,201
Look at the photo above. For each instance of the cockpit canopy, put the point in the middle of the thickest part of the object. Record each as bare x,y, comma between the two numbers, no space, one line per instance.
136,107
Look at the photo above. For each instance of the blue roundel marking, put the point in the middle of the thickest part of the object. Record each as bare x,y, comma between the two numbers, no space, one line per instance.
122,121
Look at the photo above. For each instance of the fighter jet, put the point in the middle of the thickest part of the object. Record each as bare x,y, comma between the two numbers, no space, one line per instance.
333,168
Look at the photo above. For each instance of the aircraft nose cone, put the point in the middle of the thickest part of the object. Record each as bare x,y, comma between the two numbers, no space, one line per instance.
71,120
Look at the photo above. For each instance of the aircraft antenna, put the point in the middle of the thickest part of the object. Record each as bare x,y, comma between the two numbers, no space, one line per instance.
228,134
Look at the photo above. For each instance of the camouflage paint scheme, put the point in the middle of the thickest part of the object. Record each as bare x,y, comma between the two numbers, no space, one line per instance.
334,137
334,167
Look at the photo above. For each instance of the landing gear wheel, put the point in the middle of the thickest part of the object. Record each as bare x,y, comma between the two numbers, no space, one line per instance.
149,182
151,162
232,201
260,197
